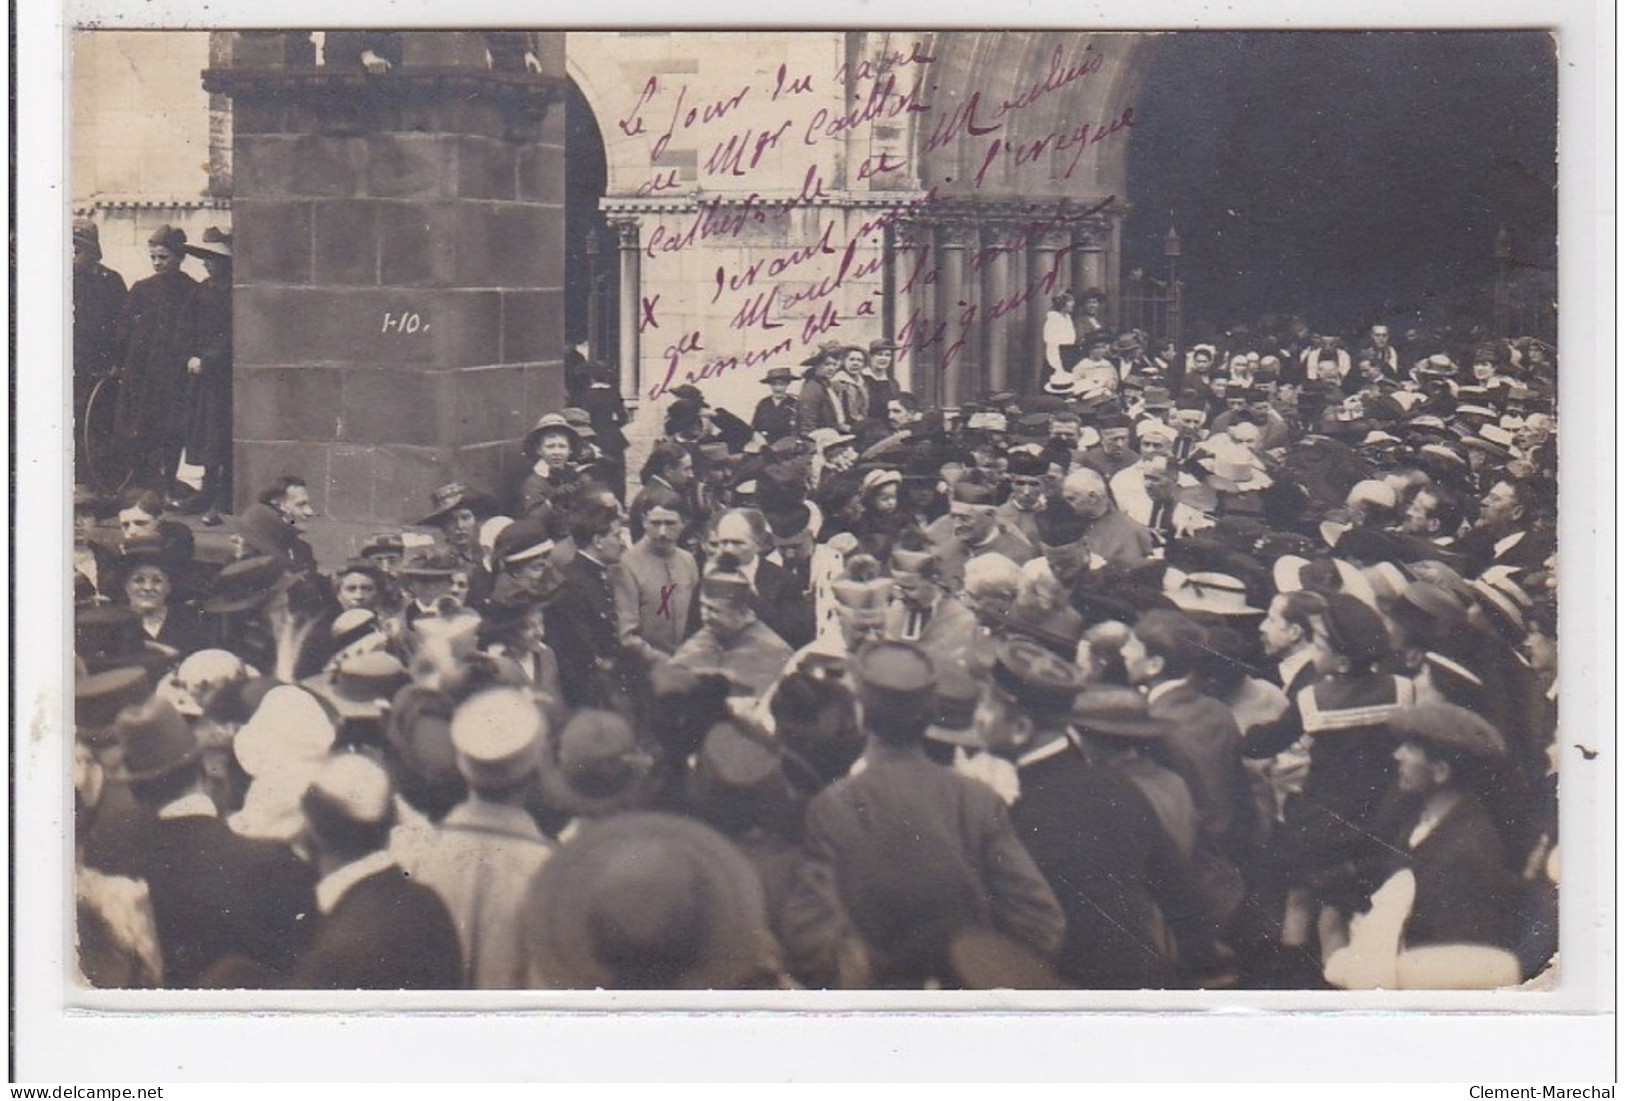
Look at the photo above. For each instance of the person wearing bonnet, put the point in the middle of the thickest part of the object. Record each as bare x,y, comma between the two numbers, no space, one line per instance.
158,333
551,448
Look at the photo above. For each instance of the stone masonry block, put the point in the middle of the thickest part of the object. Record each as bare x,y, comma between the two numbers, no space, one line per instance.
485,168
392,406
467,329
488,466
411,166
544,389
262,165
330,166
490,404
532,325
351,474
541,172
272,241
500,245
417,244
403,478
346,235
286,403
282,325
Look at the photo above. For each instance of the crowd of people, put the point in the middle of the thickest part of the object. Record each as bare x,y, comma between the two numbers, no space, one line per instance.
163,349
1230,666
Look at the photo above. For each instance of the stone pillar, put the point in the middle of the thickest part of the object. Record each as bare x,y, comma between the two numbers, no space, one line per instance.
631,313
911,257
1047,278
996,285
956,353
399,276
1091,260
1017,326
1079,277
1112,272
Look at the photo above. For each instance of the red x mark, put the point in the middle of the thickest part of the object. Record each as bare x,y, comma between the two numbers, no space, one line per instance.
666,592
649,321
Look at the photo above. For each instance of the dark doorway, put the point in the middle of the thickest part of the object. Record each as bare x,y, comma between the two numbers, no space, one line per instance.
1349,177
591,263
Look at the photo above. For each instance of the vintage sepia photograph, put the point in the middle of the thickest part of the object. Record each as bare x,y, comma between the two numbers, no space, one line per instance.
1055,511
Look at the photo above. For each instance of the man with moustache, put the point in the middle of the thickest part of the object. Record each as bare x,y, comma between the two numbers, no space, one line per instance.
657,579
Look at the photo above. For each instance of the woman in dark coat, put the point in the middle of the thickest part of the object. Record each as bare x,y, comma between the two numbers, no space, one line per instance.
208,427
157,336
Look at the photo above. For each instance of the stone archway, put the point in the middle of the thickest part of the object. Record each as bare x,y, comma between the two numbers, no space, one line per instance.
1024,150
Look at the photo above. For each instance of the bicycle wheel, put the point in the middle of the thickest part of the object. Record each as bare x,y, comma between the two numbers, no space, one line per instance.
107,462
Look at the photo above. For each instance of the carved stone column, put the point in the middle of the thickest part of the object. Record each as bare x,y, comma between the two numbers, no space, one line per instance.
957,350
997,286
1047,274
1021,365
910,267
628,237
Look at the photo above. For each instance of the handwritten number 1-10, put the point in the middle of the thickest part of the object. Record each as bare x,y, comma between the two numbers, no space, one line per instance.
408,323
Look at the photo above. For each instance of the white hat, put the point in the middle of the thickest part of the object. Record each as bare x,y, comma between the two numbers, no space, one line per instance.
1373,492
203,671
355,787
289,725
1208,591
1288,576
1151,428
825,438
497,734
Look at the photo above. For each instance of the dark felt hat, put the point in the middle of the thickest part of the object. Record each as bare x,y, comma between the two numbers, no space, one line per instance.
737,780
99,697
525,539
1355,630
154,552
109,636
246,583
595,766
649,901
85,233
216,245
453,496
157,741
384,543
779,374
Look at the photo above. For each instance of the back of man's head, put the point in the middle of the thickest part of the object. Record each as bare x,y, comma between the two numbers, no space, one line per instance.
1174,637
